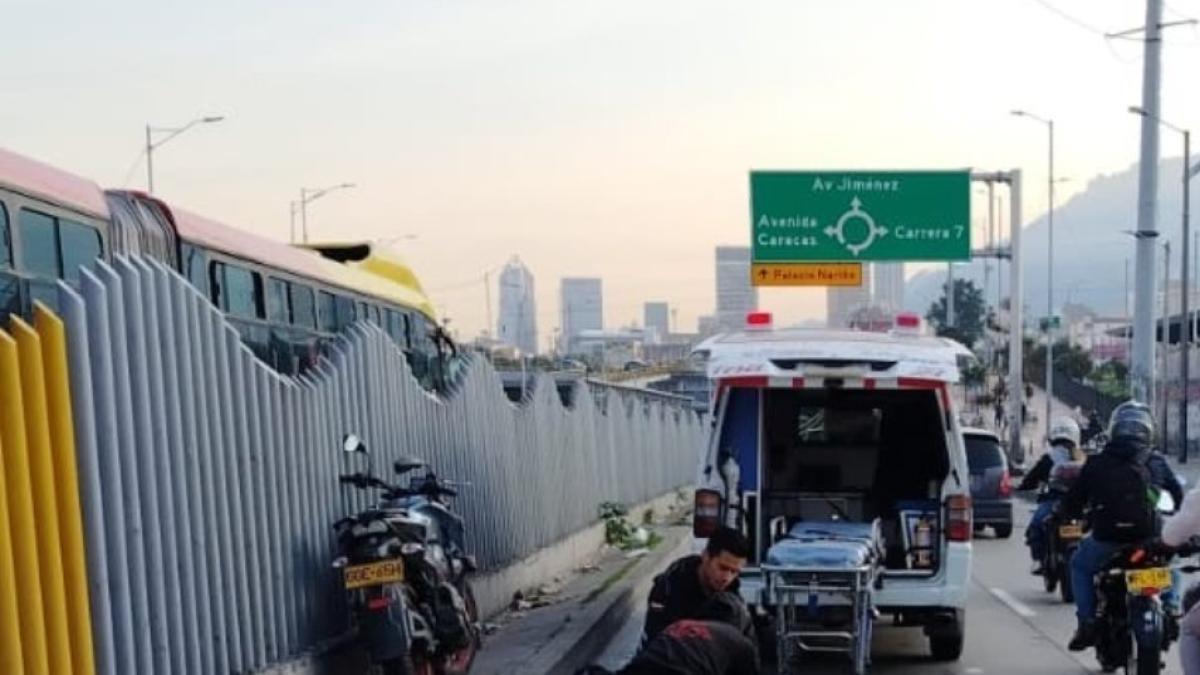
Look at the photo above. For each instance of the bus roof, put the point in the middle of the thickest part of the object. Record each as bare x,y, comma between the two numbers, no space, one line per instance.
47,183
233,241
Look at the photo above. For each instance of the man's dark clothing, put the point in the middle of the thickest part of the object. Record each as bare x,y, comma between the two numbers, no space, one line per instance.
677,594
1162,476
696,648
1115,484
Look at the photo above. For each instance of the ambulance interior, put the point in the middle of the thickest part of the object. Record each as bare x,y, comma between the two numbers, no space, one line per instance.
855,455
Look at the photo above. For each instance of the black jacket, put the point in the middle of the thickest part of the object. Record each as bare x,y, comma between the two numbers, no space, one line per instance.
1104,485
677,594
696,648
1040,473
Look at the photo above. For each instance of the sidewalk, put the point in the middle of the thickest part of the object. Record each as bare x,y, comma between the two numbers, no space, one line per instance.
571,631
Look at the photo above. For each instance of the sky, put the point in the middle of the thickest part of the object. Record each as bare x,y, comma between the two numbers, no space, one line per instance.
605,139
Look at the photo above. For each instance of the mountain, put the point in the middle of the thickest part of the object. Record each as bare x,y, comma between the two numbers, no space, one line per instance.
1090,246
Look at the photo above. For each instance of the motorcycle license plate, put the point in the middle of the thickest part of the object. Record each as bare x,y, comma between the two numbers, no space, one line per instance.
1155,578
1070,531
374,574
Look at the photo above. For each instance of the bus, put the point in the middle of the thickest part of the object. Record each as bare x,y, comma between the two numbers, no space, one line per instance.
287,302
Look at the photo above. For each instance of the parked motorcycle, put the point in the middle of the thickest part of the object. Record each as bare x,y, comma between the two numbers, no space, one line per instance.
405,572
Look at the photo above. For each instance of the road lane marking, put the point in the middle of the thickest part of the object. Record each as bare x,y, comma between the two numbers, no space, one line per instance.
1015,605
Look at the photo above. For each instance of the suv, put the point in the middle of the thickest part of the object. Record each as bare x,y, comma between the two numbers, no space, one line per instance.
819,426
991,485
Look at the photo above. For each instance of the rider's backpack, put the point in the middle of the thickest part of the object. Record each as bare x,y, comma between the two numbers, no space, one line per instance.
1125,503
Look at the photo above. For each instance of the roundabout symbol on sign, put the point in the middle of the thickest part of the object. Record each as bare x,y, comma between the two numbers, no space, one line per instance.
838,231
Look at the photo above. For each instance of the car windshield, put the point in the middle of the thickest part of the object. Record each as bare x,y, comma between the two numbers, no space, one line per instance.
983,453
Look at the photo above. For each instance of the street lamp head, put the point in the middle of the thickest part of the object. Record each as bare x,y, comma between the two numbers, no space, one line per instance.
1137,110
1020,113
347,185
211,119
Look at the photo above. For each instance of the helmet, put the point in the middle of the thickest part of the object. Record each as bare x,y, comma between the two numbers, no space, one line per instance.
1132,424
728,608
1064,429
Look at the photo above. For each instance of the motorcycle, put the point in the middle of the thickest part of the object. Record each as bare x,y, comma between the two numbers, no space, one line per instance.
405,572
1062,535
1132,629
1062,539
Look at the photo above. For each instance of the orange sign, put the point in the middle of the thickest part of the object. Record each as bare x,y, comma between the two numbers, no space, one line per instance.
806,274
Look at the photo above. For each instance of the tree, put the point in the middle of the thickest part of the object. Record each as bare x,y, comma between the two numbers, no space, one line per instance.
1069,359
969,313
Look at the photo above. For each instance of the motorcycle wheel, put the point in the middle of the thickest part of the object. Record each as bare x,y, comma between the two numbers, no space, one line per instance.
1149,661
1065,590
459,663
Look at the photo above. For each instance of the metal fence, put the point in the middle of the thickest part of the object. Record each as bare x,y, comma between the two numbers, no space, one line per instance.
208,481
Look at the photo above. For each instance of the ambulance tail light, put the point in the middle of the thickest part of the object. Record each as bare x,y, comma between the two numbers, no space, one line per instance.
707,513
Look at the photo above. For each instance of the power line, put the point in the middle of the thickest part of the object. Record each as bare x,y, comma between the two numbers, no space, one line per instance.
137,161
1071,19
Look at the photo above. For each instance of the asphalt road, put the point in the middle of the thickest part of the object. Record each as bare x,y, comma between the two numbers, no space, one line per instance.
1013,626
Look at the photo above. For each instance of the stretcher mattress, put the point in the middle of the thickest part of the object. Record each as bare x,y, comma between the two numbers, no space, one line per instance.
828,545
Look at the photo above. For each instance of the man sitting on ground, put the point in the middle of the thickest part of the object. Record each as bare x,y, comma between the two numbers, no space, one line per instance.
683,589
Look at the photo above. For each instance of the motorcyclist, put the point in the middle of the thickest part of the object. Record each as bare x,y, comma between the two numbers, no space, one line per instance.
1114,484
1063,450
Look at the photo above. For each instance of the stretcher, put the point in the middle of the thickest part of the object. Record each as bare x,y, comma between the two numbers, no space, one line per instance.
820,580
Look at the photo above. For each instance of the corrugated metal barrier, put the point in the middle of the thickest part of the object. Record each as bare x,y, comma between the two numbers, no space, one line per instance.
207,482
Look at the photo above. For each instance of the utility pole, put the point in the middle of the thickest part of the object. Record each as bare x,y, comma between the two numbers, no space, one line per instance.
1143,306
1185,323
1016,332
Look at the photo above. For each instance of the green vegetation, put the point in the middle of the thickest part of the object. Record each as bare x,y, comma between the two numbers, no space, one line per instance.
969,313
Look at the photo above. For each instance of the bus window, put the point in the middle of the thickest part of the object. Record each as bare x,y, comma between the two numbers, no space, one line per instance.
244,292
304,308
345,311
328,312
81,247
237,290
39,244
194,263
373,315
277,301
395,325
5,243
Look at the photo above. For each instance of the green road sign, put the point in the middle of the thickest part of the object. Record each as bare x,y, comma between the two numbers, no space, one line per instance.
829,216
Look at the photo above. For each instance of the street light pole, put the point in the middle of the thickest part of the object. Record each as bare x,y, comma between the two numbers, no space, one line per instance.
1049,263
171,132
308,195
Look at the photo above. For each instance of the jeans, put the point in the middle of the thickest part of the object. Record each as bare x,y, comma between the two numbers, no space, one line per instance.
1035,534
1087,562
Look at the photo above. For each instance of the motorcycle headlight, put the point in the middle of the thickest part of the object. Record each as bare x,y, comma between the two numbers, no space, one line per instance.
340,562
411,548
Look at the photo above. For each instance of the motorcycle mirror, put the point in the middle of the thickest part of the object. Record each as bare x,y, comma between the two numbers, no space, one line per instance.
352,443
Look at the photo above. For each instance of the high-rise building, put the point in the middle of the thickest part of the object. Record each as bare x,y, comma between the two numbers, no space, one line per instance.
889,286
582,308
841,302
517,325
736,297
657,320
